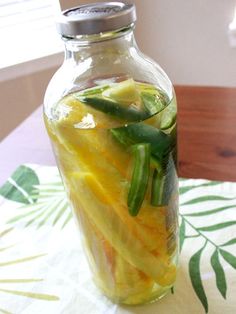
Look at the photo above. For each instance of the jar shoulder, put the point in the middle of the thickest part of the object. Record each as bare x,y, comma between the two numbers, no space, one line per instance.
114,65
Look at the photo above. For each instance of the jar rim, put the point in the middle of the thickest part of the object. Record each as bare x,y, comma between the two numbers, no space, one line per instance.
84,40
95,18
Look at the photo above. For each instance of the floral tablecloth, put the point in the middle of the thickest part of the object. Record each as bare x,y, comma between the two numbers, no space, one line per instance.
43,269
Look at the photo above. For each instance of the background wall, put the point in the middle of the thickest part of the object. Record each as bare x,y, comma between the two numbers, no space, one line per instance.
187,38
22,89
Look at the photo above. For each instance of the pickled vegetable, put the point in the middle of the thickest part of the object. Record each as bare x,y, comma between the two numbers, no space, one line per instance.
115,145
140,178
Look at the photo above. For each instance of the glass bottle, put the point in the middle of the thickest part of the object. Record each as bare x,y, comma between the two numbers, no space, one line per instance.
110,112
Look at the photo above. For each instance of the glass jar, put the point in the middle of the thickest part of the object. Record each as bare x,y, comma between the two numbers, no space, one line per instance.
111,115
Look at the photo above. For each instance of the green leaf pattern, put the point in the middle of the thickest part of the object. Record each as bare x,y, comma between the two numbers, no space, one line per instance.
8,281
51,208
219,273
182,234
195,276
207,229
231,259
19,186
200,220
230,242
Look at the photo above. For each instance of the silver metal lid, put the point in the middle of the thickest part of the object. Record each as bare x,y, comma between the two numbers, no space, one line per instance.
96,18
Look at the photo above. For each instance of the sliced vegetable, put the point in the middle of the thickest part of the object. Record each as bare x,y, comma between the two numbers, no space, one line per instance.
140,176
145,87
113,108
168,118
170,182
164,179
96,90
133,284
124,92
156,163
116,232
157,188
160,142
152,103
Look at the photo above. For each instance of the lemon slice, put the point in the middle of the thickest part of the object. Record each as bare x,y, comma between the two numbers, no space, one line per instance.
124,92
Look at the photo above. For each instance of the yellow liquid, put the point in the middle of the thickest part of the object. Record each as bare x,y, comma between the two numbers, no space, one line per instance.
133,259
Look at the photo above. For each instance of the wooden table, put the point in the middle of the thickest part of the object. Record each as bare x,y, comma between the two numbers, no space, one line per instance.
207,132
206,136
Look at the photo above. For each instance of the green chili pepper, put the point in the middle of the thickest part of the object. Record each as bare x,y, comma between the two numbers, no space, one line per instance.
152,103
113,108
168,118
171,180
157,188
156,163
140,176
163,183
161,143
92,91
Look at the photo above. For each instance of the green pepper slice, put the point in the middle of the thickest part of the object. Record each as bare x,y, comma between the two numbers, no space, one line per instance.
168,118
140,177
92,91
163,183
161,143
157,188
152,103
113,108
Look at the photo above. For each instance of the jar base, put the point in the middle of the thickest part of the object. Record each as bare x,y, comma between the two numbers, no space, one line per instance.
139,299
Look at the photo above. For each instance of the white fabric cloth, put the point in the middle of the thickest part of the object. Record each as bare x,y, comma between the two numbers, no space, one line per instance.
43,268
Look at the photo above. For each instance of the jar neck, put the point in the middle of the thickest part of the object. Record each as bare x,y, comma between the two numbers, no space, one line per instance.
81,47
